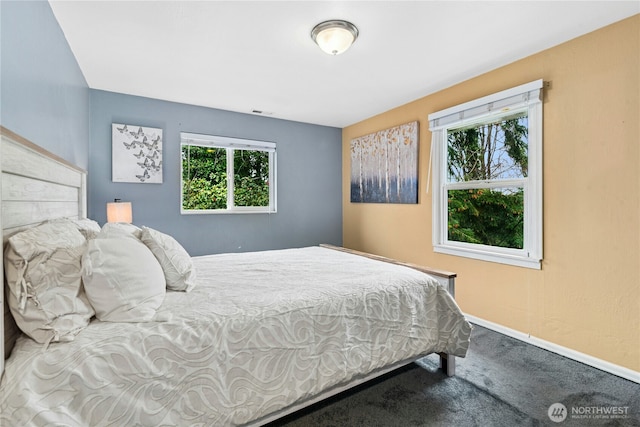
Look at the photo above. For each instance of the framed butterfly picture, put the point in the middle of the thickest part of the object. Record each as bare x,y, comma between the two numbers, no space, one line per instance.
136,154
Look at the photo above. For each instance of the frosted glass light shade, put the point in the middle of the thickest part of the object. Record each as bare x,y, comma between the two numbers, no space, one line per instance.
119,212
334,37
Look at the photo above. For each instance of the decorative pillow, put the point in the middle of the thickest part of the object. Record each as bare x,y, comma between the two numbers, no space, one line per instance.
174,259
119,229
87,227
43,271
123,280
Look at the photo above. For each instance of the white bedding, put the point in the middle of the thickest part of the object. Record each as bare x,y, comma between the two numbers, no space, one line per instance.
260,331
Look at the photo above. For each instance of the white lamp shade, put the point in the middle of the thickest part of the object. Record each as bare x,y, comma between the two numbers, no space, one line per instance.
119,212
334,37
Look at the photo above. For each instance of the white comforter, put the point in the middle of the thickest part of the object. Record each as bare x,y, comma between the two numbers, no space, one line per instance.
259,332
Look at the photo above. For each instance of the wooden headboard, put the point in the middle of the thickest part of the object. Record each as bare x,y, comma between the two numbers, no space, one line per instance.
36,186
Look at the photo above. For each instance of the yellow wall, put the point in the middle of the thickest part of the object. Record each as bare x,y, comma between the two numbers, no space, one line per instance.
586,297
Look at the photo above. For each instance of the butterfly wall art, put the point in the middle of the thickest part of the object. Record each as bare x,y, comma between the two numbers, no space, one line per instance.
136,154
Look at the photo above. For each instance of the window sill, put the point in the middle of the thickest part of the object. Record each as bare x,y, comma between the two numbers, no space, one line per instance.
509,259
226,211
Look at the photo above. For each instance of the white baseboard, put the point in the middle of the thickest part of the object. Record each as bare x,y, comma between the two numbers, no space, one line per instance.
603,365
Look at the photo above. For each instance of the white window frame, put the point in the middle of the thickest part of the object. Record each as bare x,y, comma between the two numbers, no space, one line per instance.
527,97
231,144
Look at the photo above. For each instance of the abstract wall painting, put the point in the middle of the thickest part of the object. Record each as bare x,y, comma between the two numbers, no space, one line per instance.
384,166
136,154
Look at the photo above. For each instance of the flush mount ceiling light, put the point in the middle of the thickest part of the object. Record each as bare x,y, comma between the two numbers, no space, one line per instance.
335,36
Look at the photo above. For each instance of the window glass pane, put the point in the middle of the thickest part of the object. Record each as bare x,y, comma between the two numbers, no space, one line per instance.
493,217
204,177
251,178
488,151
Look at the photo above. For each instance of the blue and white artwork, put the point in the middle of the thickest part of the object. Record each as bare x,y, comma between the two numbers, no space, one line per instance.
384,166
136,154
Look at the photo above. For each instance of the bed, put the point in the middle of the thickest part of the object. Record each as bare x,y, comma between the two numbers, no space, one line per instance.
242,339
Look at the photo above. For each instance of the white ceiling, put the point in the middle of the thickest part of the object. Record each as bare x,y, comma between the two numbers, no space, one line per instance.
258,55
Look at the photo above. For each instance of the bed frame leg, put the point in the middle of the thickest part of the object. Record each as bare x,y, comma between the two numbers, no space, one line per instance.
448,364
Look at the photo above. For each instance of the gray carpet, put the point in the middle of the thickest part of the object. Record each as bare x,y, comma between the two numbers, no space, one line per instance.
501,382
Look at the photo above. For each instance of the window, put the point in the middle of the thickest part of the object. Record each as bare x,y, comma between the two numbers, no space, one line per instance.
227,175
487,177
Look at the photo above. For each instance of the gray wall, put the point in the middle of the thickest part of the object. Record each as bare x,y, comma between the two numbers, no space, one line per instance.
309,176
44,96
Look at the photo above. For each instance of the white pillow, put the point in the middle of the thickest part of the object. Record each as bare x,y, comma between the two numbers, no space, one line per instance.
123,280
119,229
87,227
174,259
43,271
